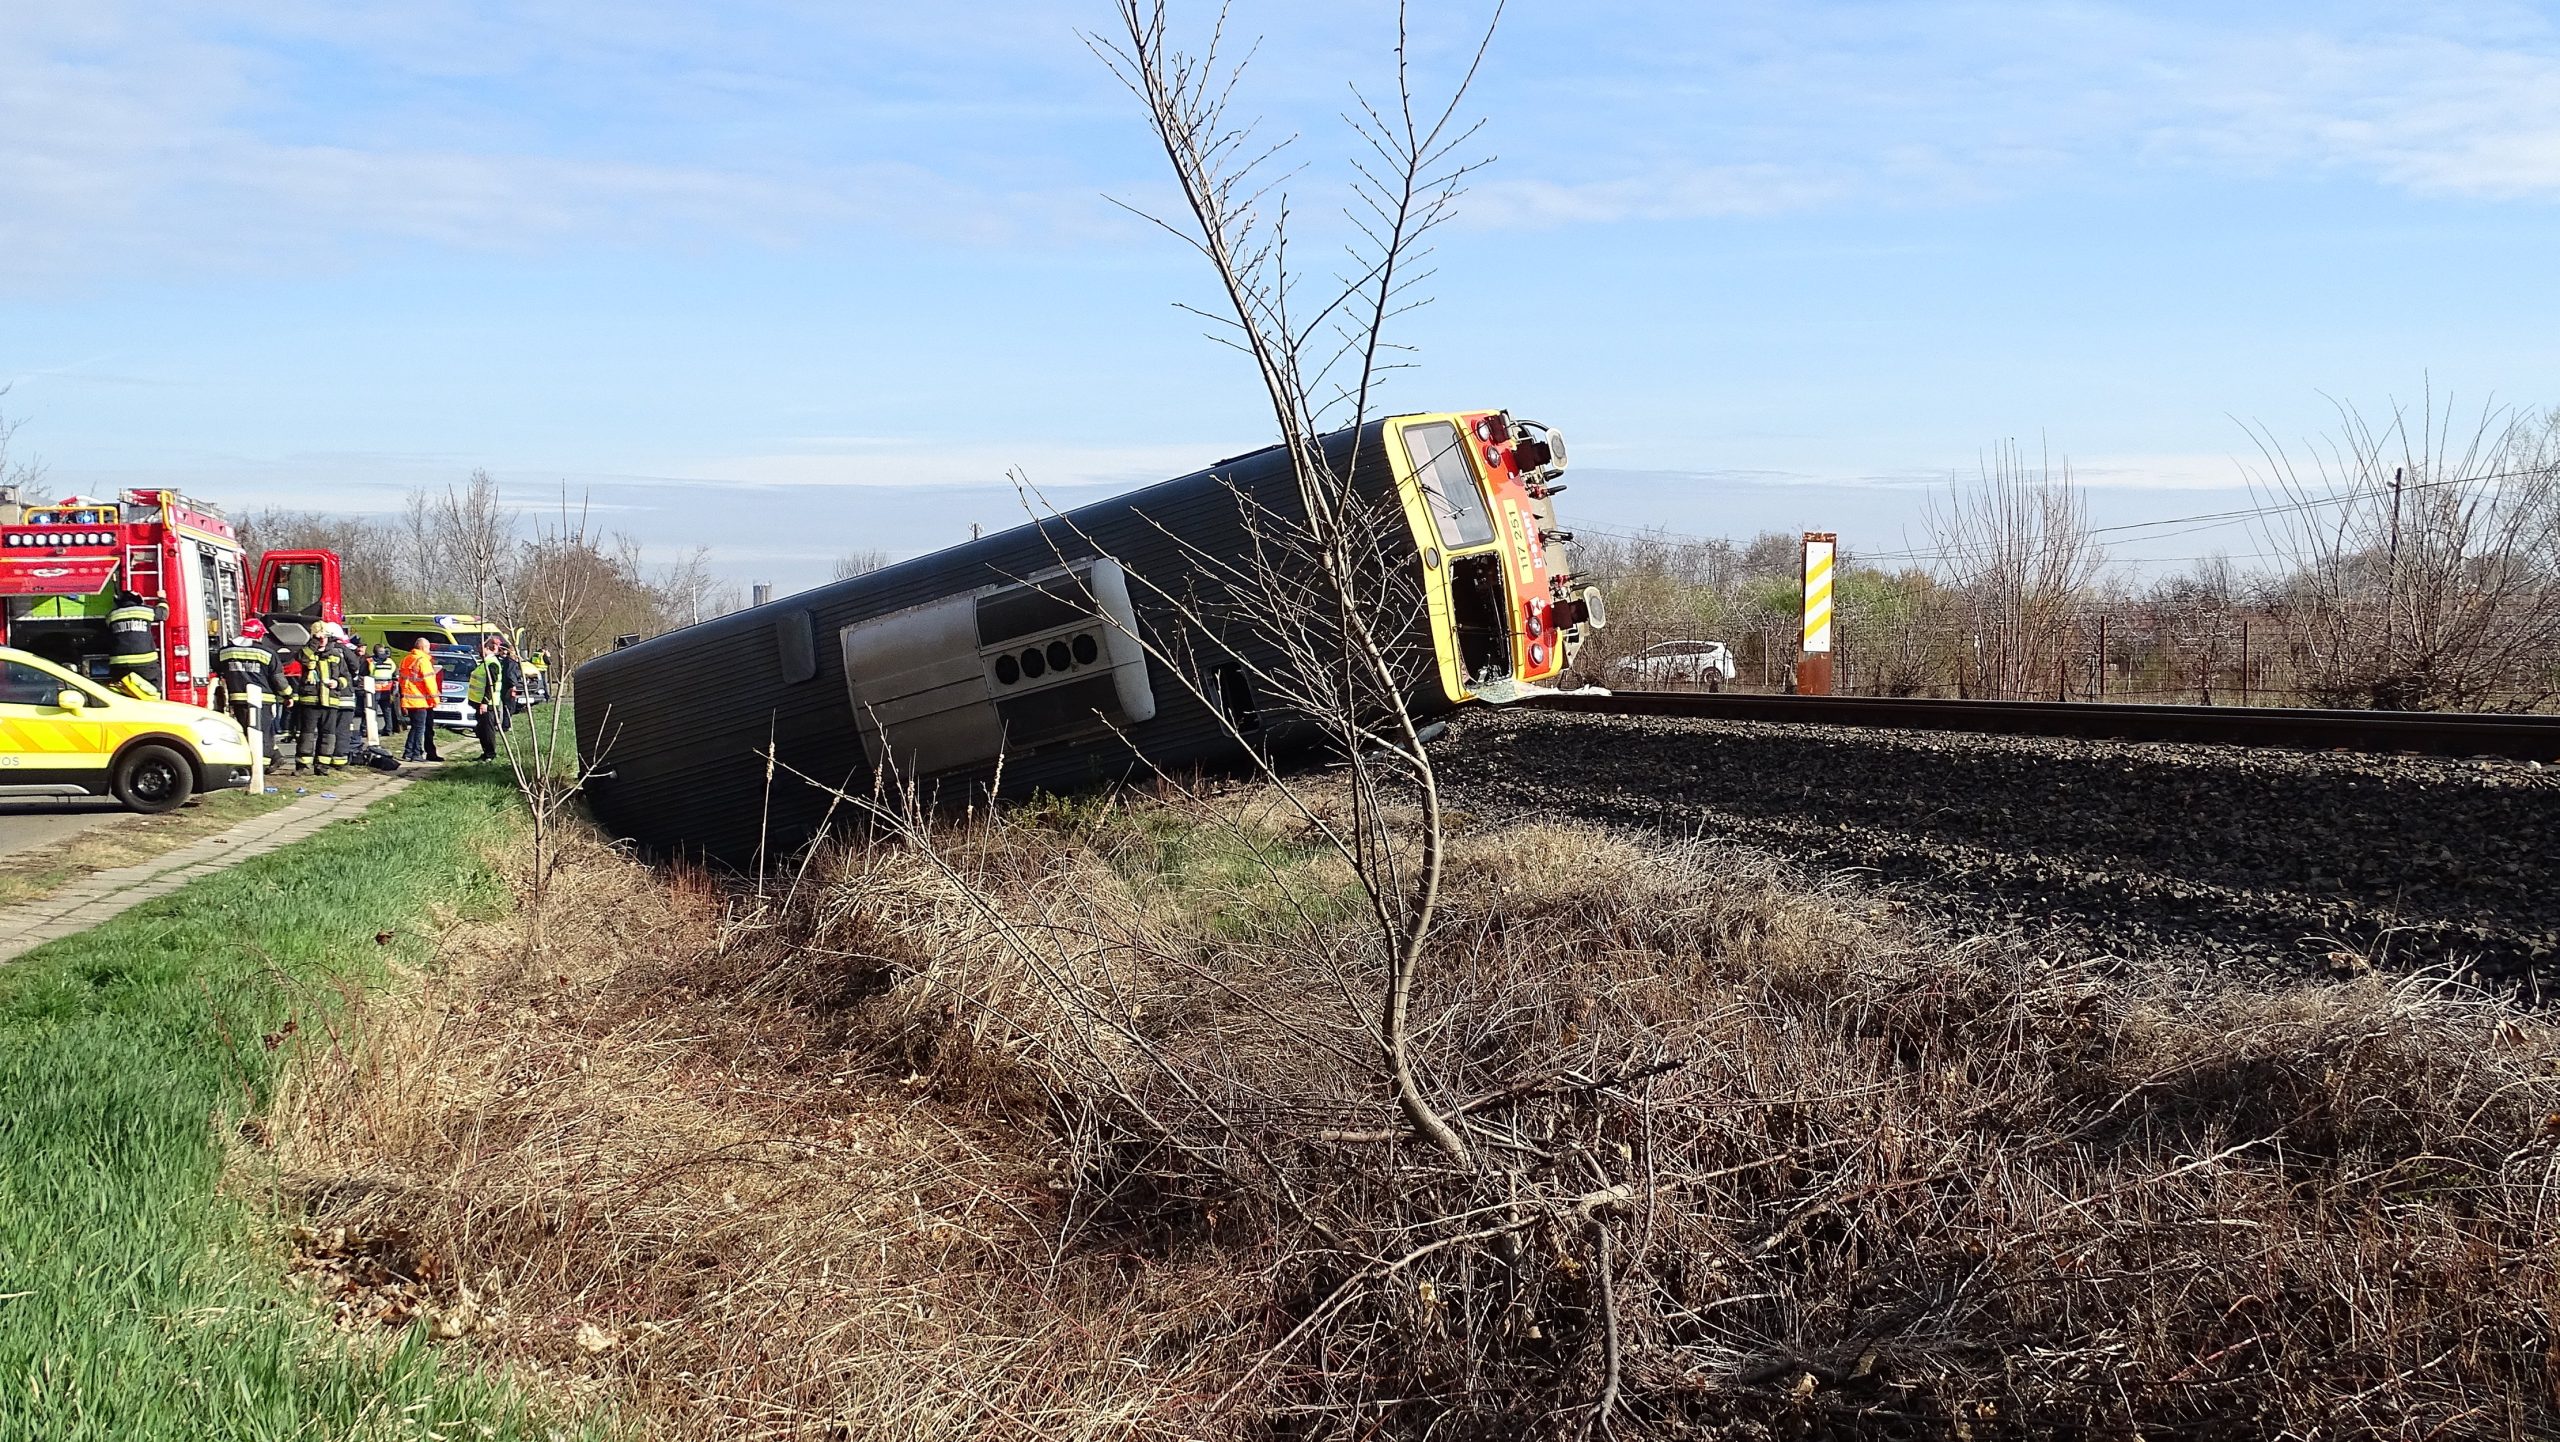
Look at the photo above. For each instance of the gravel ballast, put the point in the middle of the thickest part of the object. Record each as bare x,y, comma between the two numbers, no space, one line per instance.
2255,861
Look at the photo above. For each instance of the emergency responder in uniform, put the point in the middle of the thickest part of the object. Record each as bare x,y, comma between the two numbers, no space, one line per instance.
315,710
133,644
421,686
244,664
384,668
352,697
511,672
487,694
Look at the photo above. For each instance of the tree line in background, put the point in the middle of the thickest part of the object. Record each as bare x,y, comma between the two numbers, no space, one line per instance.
2402,564
571,586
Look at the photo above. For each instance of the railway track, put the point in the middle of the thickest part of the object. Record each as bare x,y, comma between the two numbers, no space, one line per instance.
2266,861
2517,738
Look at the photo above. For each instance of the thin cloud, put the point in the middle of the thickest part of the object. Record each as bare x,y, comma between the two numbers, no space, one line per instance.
1951,105
1722,190
2425,114
137,142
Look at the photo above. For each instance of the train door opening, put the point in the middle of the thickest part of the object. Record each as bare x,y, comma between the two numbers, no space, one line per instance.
1479,612
1235,697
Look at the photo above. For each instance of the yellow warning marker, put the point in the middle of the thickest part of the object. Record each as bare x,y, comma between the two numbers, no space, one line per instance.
1813,664
1818,550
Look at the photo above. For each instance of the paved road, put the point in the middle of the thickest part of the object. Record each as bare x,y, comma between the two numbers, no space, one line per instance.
27,824
102,894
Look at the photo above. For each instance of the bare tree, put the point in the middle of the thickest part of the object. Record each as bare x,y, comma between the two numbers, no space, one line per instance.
1324,594
21,479
2016,544
859,563
2420,557
688,593
475,543
1896,631
574,588
419,549
1328,625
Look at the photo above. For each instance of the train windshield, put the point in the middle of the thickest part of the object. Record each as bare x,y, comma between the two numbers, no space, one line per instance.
1448,484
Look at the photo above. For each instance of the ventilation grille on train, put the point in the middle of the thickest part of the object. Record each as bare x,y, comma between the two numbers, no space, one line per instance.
957,682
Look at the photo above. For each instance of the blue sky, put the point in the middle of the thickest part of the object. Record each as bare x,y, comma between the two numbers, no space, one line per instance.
794,279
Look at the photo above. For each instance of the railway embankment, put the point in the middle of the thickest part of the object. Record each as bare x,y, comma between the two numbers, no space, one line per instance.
2255,864
1070,1121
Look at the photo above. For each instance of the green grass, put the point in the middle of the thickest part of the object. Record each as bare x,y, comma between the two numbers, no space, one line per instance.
141,1301
1236,877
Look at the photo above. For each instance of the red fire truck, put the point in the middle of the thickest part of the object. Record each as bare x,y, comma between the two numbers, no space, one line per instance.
62,563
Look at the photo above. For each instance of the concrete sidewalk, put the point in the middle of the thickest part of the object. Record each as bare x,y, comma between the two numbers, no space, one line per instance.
103,894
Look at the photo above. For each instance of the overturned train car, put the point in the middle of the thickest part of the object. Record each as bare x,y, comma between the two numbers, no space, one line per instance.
1021,654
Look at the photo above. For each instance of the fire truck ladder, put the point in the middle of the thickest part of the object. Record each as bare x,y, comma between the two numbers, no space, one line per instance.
142,563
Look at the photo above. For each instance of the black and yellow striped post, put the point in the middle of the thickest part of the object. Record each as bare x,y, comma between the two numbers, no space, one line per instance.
1813,659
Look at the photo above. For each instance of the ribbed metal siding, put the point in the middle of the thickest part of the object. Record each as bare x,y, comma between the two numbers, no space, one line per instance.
677,725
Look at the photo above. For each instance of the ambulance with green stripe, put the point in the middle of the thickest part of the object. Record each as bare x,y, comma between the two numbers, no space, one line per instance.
63,734
444,630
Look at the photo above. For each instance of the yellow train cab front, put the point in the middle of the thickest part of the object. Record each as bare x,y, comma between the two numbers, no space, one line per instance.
62,735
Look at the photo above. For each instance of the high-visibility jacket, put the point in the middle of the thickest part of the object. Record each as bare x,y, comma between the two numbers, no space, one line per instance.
133,636
347,663
421,682
244,664
322,682
488,683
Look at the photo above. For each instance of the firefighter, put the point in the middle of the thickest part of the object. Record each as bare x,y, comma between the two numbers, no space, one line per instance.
245,665
354,694
316,705
133,643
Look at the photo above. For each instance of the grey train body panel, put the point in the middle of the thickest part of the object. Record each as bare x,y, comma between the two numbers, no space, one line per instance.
942,673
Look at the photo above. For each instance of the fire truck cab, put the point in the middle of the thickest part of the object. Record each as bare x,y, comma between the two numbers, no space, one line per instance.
63,563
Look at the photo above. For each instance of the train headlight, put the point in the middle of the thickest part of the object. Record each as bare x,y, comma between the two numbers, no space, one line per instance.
1537,450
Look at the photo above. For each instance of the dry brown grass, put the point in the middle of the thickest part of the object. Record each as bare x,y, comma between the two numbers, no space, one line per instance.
695,1203
1058,1124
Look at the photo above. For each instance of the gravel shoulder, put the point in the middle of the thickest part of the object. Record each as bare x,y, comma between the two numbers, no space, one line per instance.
2258,862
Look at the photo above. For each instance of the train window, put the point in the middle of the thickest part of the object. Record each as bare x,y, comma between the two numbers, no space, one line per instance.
797,644
1448,484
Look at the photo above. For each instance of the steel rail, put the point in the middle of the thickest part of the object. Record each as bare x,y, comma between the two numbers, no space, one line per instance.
2521,738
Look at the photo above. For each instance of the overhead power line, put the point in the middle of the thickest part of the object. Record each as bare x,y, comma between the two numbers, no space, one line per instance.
2160,529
